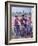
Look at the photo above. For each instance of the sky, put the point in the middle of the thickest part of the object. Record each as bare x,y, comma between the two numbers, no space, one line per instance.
21,9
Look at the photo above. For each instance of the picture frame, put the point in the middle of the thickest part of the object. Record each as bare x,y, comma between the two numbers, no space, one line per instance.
19,10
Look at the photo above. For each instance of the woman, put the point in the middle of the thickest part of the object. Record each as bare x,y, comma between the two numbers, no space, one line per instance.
17,27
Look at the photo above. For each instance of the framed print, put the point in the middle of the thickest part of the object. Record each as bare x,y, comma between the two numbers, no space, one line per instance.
20,22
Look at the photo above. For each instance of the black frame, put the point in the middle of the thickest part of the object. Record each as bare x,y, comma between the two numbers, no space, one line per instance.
6,21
